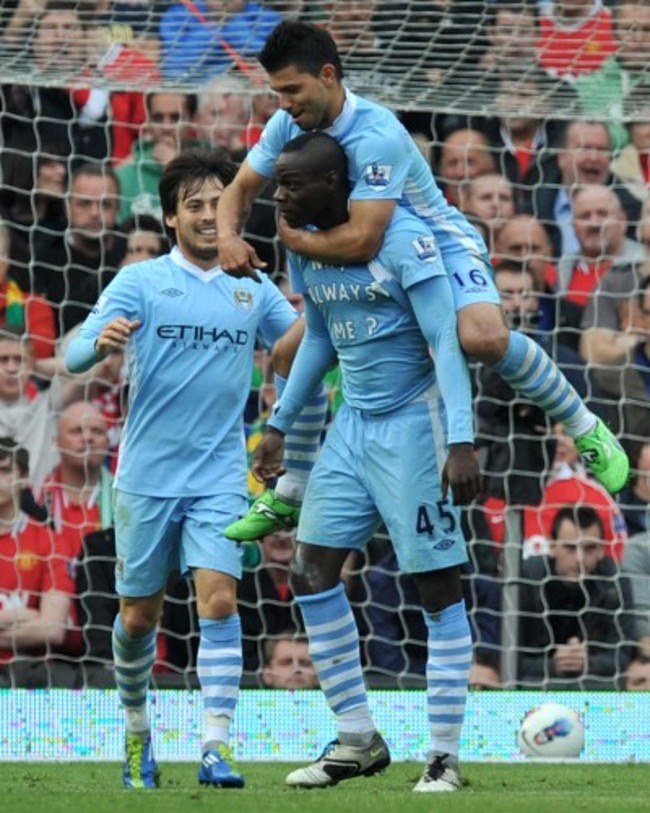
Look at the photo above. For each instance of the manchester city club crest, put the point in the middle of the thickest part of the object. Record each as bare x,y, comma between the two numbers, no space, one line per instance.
243,298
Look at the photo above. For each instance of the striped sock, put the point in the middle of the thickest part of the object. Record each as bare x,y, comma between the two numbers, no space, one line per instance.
448,665
219,669
134,659
534,374
301,444
334,649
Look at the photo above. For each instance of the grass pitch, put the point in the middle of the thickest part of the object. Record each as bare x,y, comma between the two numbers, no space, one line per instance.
96,788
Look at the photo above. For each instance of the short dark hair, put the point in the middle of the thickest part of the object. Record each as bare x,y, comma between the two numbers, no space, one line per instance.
142,222
9,447
304,45
271,643
95,171
322,150
582,516
188,172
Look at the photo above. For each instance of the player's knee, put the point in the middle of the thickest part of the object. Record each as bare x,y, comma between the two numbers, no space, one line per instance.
483,333
306,579
216,606
138,621
439,589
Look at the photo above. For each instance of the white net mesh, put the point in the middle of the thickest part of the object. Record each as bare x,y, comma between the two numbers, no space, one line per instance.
484,87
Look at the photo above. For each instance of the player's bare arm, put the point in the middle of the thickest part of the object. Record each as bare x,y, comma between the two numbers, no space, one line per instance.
356,241
237,257
115,335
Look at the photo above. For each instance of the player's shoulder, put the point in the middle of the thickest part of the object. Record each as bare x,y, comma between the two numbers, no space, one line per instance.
409,237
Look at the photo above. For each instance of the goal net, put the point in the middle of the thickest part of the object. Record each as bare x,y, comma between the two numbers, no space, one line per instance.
487,89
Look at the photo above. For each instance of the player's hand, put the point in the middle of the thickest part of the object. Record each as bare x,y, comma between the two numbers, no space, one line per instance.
238,258
267,457
116,334
462,474
291,238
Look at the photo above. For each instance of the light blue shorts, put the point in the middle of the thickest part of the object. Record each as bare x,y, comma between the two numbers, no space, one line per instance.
155,536
471,278
374,468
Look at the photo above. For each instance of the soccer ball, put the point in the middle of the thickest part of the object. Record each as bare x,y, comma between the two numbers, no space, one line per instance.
551,731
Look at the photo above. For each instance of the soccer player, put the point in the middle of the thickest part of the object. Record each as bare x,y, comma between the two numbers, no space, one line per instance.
189,331
383,459
387,171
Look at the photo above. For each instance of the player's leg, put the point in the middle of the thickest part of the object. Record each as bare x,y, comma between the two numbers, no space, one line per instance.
426,534
523,364
279,508
216,564
134,654
146,535
339,515
449,645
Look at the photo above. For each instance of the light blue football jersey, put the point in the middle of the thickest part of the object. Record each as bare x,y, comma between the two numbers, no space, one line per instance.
190,366
384,357
384,163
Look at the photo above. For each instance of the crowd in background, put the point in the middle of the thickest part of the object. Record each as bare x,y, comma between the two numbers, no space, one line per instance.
564,205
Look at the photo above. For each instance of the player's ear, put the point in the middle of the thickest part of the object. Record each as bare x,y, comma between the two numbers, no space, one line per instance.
170,221
328,75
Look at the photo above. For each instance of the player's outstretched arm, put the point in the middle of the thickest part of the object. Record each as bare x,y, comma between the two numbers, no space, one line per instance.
237,257
87,348
356,241
433,304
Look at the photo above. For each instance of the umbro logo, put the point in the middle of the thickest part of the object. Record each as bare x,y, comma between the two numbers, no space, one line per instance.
173,292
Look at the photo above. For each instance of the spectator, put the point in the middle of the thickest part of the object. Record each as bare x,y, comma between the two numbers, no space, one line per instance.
72,269
637,675
166,132
222,117
24,311
524,238
575,609
632,163
599,225
198,44
464,155
636,565
602,93
351,28
448,37
37,113
604,339
133,23
145,239
583,157
574,38
523,133
35,588
628,383
266,599
77,493
569,484
32,200
489,200
287,663
511,33
485,673
635,498
25,413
